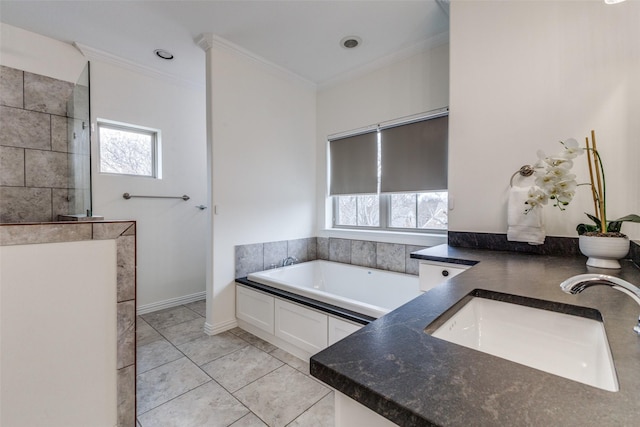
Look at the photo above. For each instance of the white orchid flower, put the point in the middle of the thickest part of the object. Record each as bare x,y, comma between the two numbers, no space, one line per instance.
537,199
572,148
553,177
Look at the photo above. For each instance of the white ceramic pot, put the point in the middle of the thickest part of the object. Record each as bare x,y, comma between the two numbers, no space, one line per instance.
604,252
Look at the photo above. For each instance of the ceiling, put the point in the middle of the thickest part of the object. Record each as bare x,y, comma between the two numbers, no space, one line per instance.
300,36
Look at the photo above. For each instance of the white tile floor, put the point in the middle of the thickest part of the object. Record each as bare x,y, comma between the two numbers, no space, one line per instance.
187,378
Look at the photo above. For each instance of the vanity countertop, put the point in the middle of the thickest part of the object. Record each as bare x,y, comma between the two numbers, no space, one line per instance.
394,368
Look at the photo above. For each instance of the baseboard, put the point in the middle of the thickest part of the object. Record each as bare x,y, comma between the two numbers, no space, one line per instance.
210,329
173,302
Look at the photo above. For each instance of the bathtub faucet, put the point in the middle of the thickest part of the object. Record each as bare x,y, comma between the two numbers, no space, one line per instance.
290,260
576,284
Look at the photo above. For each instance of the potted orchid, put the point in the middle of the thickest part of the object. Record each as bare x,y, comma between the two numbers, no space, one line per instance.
601,241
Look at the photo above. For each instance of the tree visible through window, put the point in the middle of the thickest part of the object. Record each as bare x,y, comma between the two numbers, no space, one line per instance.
417,211
127,150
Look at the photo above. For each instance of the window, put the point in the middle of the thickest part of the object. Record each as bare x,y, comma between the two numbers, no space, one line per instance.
128,149
422,211
359,211
415,211
392,177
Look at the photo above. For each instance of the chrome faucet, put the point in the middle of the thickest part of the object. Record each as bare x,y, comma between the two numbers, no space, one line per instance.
290,260
576,284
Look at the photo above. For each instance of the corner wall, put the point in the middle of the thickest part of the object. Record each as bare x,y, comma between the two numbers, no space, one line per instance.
263,164
525,75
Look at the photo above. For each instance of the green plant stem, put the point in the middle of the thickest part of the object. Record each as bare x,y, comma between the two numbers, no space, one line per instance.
603,196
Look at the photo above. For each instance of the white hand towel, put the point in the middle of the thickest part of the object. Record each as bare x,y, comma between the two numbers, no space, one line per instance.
523,227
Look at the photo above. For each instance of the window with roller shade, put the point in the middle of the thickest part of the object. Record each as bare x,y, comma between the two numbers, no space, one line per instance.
392,177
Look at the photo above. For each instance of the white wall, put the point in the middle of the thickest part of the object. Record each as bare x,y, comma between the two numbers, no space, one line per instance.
58,329
37,54
409,86
264,160
171,232
525,75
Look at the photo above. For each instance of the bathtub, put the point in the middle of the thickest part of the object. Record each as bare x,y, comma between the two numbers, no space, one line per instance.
367,291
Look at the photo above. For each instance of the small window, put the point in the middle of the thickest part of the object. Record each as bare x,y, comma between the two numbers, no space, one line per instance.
128,150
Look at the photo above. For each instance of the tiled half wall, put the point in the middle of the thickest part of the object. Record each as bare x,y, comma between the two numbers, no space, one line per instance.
384,256
124,233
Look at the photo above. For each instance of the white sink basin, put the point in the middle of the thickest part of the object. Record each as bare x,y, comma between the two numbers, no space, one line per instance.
572,347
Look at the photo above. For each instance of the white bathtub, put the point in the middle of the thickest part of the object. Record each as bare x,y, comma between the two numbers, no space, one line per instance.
364,290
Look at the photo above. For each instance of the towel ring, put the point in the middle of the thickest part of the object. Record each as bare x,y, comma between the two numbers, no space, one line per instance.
525,171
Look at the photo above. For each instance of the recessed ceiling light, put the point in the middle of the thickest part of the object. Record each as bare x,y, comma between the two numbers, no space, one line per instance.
161,53
350,42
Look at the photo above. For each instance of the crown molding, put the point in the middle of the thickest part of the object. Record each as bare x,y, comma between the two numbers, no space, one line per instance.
98,55
209,40
423,46
205,41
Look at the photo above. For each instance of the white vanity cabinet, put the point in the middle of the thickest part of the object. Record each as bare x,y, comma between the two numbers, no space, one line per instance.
432,273
300,330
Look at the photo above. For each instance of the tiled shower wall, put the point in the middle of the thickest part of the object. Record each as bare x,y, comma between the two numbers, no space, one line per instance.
384,256
35,156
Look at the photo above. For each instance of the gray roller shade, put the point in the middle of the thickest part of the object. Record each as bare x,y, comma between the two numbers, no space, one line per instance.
354,164
414,156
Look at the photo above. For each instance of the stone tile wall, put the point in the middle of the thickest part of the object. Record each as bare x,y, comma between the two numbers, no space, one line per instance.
380,255
261,256
124,232
383,256
35,156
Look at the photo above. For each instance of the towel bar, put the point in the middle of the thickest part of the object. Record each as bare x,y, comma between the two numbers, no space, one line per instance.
129,196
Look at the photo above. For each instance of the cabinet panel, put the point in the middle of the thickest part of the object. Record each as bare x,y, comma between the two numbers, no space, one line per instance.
255,308
339,329
300,326
434,273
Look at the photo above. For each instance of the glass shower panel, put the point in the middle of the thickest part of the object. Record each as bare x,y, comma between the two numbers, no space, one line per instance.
79,138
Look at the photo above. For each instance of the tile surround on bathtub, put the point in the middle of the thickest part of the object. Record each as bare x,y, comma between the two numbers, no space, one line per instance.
323,248
391,256
274,253
340,250
249,259
363,253
385,256
412,265
260,256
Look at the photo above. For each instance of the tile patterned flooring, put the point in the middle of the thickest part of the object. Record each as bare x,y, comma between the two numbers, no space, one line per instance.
187,378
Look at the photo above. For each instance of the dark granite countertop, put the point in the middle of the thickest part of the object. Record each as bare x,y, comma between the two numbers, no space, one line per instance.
413,379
